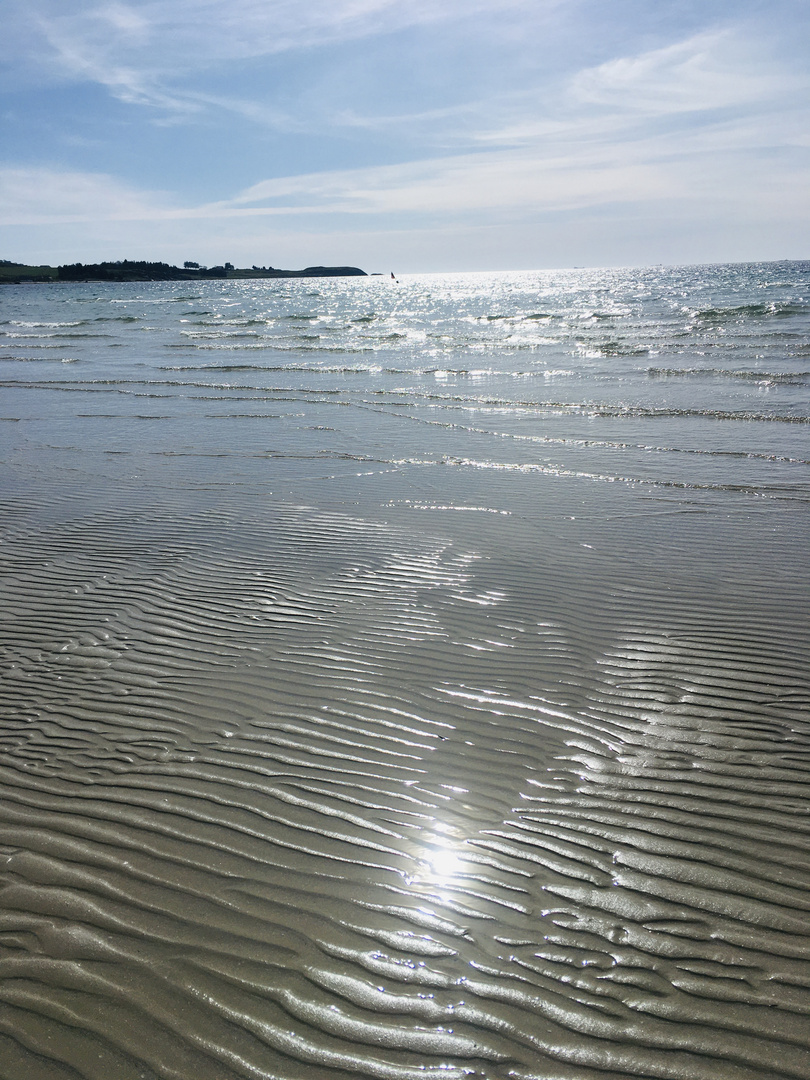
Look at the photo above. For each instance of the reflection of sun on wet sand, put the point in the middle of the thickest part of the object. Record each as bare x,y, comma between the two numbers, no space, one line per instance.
317,833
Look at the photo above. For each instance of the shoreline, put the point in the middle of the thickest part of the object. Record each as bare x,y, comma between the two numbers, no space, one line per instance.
136,270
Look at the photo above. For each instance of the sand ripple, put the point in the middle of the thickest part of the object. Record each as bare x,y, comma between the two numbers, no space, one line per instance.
291,794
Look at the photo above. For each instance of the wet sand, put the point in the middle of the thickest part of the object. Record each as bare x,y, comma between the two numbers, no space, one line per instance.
334,781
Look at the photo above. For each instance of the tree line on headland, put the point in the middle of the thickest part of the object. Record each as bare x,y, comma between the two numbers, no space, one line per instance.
140,270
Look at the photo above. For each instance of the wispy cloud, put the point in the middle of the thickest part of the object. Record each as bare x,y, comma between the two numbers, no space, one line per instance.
140,50
712,70
557,177
151,53
41,196
705,81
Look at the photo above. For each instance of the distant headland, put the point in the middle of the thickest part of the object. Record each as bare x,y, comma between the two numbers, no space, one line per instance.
137,270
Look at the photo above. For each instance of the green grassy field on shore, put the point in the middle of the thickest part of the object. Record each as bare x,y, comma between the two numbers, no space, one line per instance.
10,271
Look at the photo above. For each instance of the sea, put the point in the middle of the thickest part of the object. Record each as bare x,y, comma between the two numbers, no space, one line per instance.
407,678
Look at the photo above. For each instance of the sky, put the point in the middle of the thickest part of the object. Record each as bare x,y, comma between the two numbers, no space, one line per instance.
405,135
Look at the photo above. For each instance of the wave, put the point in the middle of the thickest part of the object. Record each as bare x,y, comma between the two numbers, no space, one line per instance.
308,369
281,346
62,336
613,348
40,359
776,309
413,396
781,489
220,322
204,334
439,342
43,325
797,377
28,344
548,316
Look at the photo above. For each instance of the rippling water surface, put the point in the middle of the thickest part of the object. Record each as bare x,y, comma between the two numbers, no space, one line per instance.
406,680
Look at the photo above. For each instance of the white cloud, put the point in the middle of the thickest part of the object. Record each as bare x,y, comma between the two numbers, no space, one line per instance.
142,51
706,81
453,186
580,164
146,52
712,70
124,19
34,196
133,48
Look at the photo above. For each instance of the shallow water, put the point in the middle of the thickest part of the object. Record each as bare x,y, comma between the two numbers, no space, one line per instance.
406,680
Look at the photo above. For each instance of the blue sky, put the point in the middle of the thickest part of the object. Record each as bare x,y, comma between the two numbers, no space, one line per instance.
408,135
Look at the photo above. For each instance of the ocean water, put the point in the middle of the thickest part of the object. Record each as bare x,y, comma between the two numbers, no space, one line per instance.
406,679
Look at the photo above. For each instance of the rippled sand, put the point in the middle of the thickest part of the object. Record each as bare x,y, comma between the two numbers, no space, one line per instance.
295,792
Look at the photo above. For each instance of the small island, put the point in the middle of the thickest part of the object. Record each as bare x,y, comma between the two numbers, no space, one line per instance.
140,270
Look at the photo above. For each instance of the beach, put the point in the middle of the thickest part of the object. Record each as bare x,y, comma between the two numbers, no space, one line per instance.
406,679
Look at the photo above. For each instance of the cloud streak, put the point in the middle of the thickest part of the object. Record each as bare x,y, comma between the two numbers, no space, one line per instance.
712,123
712,70
555,176
41,196
140,48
